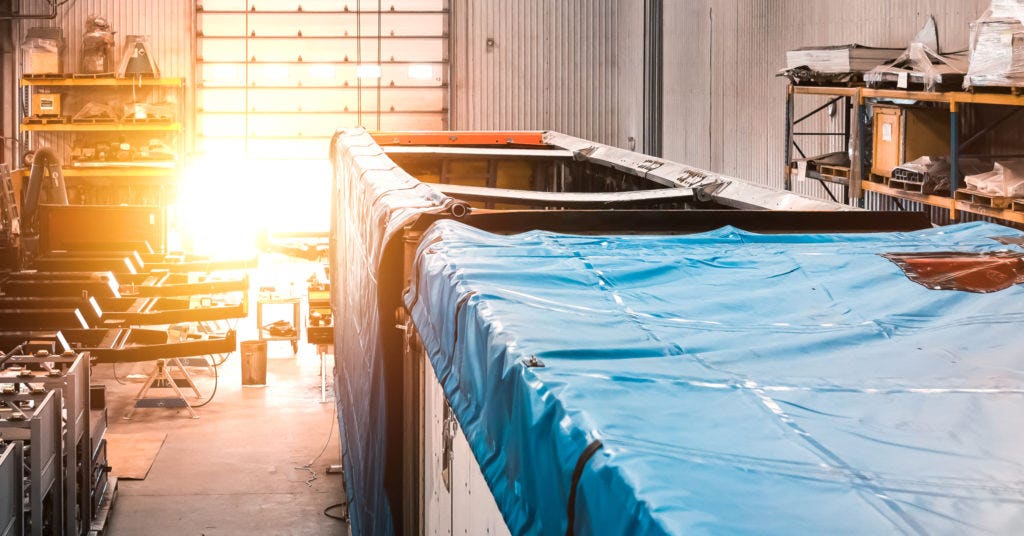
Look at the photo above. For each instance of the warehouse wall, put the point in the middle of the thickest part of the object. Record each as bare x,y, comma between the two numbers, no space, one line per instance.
724,107
168,23
575,66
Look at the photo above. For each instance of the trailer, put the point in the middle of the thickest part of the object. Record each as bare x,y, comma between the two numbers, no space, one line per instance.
540,334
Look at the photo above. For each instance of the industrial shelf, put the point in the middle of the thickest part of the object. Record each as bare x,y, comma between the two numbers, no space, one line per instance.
102,127
858,97
948,203
961,97
951,97
133,182
137,172
152,82
123,170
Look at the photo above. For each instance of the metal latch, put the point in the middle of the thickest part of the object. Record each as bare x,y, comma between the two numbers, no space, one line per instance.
448,427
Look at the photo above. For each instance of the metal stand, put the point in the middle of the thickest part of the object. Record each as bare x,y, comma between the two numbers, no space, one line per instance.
321,350
161,378
296,304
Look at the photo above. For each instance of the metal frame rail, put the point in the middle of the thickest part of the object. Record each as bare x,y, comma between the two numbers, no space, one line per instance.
68,374
12,489
40,427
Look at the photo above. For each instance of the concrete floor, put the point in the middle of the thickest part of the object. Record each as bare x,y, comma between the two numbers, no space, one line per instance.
234,470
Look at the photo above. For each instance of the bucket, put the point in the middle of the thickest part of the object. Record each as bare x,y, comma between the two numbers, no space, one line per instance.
254,363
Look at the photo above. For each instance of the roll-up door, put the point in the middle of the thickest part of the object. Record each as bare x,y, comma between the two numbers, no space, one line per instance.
275,78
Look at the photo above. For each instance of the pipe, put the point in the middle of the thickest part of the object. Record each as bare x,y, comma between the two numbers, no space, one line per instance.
52,15
56,193
459,209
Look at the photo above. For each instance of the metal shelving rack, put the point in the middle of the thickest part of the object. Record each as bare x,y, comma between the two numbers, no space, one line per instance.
856,98
178,84
161,174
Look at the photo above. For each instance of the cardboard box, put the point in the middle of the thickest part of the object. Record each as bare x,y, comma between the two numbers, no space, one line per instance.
46,104
42,61
43,51
903,134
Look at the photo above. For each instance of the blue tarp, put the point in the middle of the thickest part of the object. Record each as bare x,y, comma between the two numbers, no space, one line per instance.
739,383
372,199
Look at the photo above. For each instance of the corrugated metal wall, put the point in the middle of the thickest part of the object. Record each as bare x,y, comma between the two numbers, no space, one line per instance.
575,66
168,23
724,107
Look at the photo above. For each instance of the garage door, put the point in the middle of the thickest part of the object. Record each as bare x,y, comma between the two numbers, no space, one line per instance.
275,78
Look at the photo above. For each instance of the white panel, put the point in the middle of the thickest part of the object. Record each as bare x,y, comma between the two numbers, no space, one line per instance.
469,508
566,65
437,499
473,508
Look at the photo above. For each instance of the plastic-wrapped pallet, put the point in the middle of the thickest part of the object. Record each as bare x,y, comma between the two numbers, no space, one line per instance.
997,46
1006,9
1006,179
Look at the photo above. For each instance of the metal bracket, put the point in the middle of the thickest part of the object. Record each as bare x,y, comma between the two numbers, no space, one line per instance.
448,427
706,192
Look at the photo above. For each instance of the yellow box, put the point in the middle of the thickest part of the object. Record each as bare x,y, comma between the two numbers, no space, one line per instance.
903,134
46,104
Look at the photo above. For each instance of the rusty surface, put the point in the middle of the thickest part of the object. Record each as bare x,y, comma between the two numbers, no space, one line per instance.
970,272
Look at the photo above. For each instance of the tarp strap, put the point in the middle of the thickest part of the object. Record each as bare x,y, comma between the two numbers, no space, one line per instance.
458,309
576,474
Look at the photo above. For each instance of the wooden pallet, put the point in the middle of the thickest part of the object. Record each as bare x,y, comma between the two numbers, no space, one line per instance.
999,90
44,76
880,179
985,200
147,121
60,120
98,526
908,185
917,86
94,76
855,82
834,171
94,121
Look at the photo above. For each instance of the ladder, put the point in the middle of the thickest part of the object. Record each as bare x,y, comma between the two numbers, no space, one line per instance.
10,220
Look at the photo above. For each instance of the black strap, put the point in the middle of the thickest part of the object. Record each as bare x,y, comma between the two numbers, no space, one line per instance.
576,474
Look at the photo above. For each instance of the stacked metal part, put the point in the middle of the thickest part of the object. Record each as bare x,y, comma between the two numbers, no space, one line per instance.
84,286
30,418
67,472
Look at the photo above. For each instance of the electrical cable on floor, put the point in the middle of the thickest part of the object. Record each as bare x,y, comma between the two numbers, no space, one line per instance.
216,381
117,379
223,359
343,517
309,466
